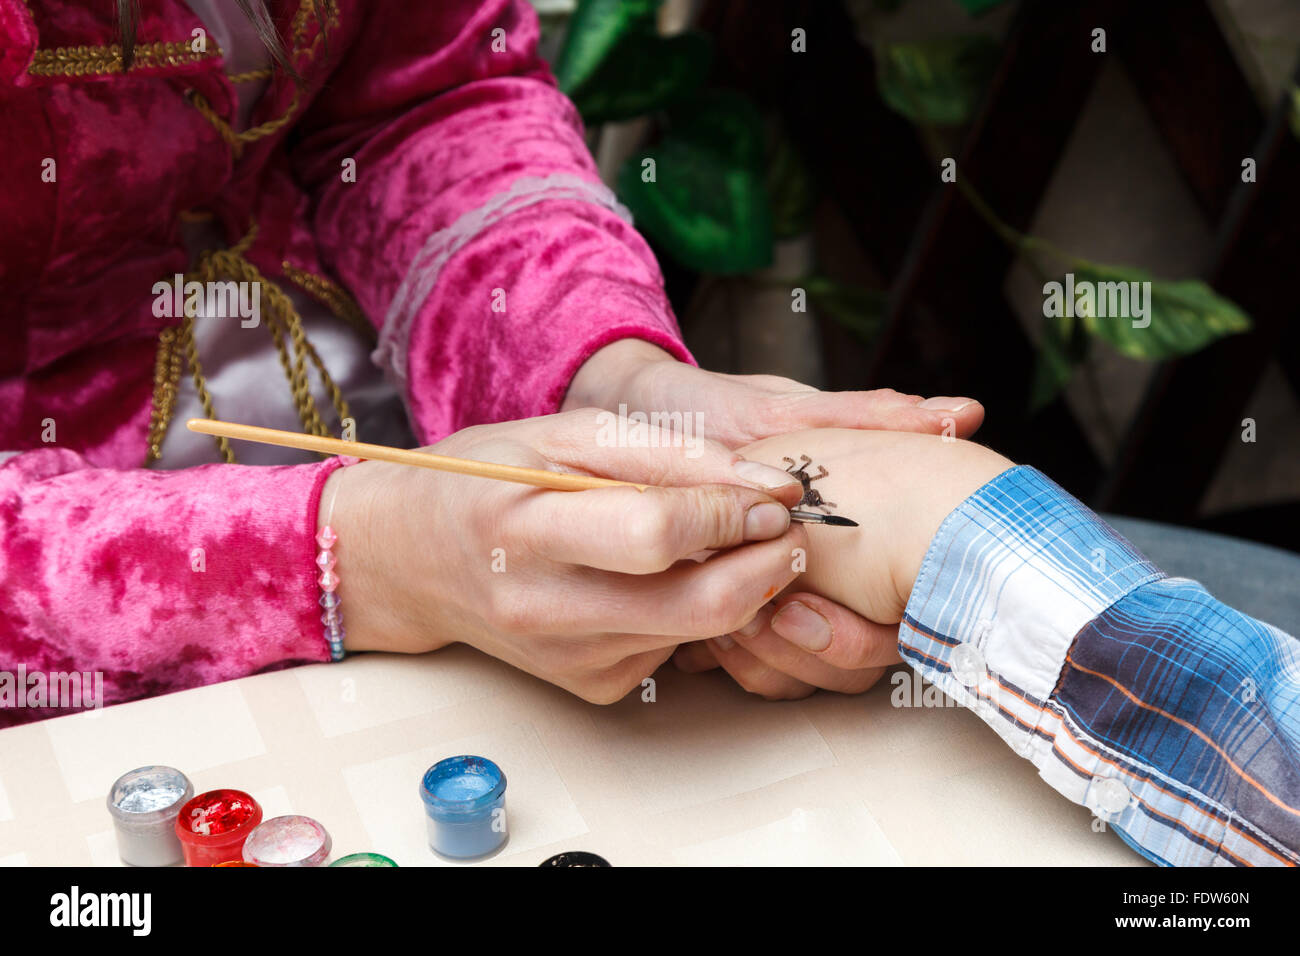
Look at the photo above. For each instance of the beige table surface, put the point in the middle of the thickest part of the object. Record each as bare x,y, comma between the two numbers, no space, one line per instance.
704,775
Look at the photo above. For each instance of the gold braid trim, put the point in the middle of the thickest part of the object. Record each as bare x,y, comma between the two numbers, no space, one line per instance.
166,378
333,295
283,322
235,140
250,75
201,386
313,8
103,60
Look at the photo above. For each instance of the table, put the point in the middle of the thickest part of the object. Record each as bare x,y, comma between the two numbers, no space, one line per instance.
703,774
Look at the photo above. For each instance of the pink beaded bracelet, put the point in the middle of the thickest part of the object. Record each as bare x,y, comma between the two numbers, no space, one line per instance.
329,599
329,579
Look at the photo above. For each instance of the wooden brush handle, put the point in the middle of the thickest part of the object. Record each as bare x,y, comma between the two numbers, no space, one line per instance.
537,477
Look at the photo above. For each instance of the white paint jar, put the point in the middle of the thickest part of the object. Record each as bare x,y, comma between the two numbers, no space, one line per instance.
144,803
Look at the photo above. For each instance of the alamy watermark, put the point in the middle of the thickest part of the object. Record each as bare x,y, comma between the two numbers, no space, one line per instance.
65,690
911,691
1102,300
653,430
226,299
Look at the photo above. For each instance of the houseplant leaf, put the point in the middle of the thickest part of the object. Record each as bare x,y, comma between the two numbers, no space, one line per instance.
1184,316
1063,346
644,72
977,7
861,311
938,81
790,188
708,213
725,121
594,30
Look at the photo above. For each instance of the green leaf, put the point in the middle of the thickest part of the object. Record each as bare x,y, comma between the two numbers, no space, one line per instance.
936,82
790,186
645,72
1063,347
594,30
724,121
706,212
1173,318
861,311
977,7
1295,110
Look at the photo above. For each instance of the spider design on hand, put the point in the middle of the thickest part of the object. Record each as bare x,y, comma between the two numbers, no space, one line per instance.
811,496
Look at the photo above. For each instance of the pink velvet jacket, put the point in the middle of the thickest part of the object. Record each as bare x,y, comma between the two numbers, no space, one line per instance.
471,170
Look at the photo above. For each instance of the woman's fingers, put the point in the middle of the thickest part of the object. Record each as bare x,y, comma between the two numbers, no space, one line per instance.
695,657
688,600
645,532
668,451
832,633
630,673
882,409
755,675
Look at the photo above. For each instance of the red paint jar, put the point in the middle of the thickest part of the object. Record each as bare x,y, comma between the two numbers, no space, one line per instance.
213,826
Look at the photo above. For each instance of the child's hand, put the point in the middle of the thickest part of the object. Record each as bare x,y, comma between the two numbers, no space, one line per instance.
899,487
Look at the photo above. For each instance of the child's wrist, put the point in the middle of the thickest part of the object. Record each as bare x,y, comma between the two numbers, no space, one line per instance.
959,469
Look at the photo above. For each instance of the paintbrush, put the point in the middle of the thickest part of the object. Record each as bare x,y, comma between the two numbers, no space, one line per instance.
537,477
813,517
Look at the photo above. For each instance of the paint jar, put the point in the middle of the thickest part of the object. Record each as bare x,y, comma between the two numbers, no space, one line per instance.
575,858
465,807
288,841
143,804
213,826
363,859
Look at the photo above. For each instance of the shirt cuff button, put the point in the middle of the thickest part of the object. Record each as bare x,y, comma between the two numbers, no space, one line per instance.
1109,795
967,664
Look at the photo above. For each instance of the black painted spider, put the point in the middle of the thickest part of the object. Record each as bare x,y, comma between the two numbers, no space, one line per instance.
811,496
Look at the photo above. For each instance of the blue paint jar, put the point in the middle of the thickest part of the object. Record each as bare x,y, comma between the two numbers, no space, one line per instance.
465,807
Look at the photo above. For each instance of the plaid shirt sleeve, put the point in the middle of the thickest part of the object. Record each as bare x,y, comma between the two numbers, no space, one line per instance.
1173,717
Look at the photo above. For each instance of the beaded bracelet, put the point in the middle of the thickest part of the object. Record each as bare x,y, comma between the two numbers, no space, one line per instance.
329,600
329,583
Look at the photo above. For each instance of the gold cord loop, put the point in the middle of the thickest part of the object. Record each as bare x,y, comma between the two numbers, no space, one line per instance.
235,140
176,346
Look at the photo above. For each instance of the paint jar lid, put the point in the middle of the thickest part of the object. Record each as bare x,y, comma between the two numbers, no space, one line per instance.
148,796
218,818
575,858
461,785
363,859
288,841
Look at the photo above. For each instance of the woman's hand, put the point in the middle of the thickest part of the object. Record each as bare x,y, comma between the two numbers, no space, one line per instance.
738,409
812,642
837,626
589,590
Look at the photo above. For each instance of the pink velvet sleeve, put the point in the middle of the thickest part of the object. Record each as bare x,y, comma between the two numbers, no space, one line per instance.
444,129
161,580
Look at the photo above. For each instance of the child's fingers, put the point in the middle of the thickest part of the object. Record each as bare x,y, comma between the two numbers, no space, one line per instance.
781,655
833,633
754,675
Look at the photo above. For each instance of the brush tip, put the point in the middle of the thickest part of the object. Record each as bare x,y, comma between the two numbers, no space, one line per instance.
815,517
